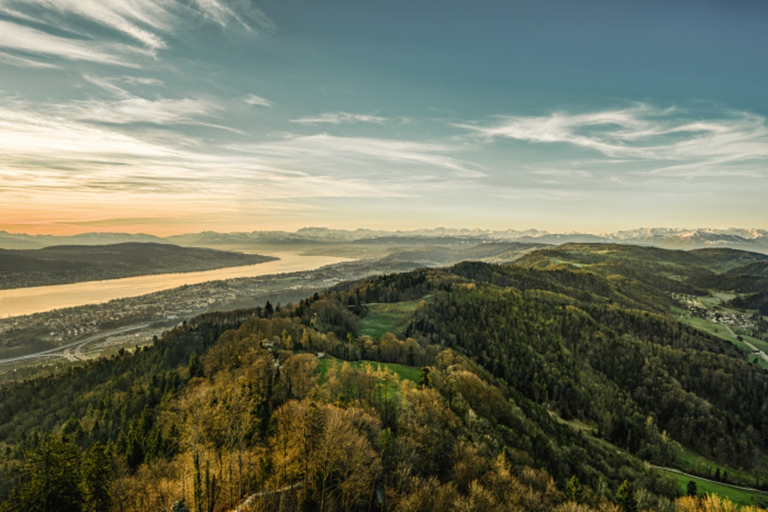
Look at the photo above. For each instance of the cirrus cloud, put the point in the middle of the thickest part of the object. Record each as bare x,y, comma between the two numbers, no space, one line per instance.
669,141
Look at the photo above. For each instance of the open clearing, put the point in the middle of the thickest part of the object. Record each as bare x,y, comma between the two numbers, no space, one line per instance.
384,318
738,496
402,371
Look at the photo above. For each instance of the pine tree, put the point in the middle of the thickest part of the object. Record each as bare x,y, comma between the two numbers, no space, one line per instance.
625,498
52,472
96,479
195,370
574,490
692,489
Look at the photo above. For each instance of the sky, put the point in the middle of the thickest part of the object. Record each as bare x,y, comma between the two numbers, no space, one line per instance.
165,116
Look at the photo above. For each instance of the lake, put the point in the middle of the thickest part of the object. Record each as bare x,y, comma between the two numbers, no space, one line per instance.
26,301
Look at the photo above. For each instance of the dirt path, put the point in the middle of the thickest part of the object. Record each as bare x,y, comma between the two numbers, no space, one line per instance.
247,502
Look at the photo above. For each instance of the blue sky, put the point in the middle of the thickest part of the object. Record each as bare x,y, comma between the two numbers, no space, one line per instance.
170,116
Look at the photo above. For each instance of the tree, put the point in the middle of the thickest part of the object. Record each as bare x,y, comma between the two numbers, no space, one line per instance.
425,379
52,473
692,489
625,498
195,368
574,490
96,479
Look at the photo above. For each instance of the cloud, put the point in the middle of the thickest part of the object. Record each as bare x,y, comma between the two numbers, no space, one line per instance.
137,80
254,100
87,153
243,12
340,117
380,159
27,40
24,62
109,31
140,110
140,20
670,141
129,108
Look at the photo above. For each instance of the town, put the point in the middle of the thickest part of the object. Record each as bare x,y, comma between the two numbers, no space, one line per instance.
732,319
138,319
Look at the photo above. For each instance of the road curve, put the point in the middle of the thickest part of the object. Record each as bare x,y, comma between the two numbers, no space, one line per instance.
77,345
708,480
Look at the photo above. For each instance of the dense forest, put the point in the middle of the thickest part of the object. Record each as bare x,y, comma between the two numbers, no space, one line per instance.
538,386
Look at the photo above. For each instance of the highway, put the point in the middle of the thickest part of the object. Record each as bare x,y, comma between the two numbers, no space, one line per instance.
73,351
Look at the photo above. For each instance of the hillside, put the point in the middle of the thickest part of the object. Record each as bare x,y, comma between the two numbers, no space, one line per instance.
74,263
498,387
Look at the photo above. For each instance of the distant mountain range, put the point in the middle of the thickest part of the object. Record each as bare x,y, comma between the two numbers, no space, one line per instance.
670,238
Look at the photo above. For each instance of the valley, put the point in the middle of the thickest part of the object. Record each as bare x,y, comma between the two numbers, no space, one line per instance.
575,361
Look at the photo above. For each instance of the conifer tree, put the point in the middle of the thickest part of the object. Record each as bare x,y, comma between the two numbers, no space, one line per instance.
625,498
96,479
574,490
52,472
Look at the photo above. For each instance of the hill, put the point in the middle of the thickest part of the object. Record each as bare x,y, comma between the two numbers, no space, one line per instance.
540,386
75,263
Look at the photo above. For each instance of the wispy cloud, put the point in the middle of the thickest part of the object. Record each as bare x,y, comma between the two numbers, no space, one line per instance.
24,62
139,80
30,41
254,100
109,31
339,118
365,156
670,141
140,110
124,107
84,153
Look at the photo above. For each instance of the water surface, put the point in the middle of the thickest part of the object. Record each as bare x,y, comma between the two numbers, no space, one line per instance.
37,299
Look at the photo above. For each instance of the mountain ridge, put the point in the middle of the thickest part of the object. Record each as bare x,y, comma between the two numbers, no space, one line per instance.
668,238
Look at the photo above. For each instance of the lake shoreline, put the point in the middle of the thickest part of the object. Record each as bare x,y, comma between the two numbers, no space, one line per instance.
16,302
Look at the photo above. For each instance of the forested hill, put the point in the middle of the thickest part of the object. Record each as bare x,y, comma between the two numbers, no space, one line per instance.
498,388
74,263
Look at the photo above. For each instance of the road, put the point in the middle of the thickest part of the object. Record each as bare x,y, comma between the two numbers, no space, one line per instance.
708,480
73,351
759,352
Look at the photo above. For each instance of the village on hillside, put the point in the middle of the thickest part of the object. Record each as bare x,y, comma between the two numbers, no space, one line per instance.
732,319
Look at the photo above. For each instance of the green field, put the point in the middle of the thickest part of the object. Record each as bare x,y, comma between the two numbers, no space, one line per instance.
738,496
689,461
723,332
717,299
402,371
692,462
384,318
